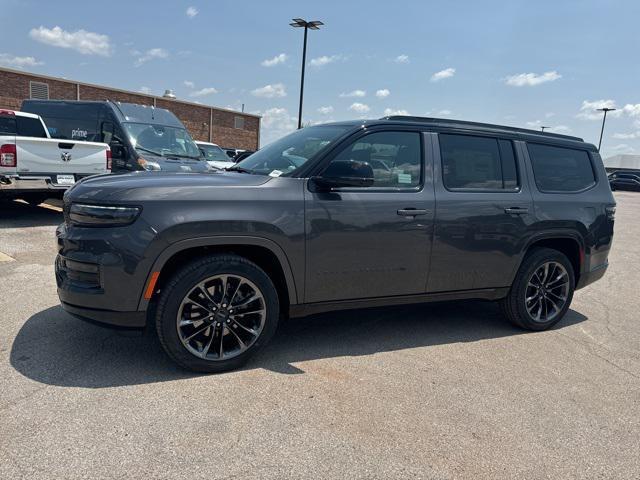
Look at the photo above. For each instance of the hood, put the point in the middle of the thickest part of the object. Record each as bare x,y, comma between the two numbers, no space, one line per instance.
149,186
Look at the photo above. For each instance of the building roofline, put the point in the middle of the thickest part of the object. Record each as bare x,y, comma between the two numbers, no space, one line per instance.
129,92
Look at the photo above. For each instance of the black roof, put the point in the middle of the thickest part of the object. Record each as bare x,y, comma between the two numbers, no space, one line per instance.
525,133
445,122
126,112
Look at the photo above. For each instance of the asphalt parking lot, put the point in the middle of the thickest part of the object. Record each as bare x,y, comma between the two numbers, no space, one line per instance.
430,391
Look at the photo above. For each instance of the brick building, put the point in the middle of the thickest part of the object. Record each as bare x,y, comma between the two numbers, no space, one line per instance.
227,128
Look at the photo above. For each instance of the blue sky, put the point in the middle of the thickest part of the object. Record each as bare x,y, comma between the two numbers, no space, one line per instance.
522,63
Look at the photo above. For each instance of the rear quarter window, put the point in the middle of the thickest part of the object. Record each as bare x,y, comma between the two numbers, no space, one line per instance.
559,169
30,127
7,126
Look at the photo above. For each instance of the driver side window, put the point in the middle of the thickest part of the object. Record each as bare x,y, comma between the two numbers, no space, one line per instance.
394,157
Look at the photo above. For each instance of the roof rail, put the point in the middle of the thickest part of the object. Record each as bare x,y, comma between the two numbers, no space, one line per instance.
445,122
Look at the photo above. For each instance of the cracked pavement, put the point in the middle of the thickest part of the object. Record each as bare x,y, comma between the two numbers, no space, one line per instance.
430,391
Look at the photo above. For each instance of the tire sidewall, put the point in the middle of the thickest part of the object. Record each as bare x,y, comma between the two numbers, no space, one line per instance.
184,281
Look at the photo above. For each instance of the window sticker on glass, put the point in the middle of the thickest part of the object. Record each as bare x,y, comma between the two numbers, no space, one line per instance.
404,178
275,173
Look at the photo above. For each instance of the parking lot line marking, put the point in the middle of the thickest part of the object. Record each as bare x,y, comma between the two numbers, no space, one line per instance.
50,207
6,258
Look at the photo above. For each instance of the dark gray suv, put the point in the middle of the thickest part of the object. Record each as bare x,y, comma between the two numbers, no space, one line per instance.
344,215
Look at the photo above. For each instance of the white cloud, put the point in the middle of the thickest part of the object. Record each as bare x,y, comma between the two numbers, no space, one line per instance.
325,60
189,84
87,43
442,74
537,124
354,93
589,109
203,92
359,107
531,79
633,110
549,115
402,59
383,93
444,112
276,122
623,148
191,12
389,112
326,110
270,91
18,62
146,90
272,62
150,54
626,136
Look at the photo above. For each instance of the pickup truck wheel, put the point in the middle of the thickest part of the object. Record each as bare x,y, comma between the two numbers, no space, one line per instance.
542,290
216,312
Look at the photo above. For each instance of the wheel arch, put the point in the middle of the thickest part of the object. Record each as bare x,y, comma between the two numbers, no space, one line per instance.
264,252
568,242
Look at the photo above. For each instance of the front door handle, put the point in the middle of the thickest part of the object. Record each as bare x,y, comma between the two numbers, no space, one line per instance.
412,212
516,210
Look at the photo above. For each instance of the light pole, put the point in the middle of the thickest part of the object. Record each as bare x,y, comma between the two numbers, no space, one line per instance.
604,119
542,128
314,25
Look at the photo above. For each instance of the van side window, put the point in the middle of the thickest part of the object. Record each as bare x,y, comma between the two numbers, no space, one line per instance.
30,127
558,169
478,163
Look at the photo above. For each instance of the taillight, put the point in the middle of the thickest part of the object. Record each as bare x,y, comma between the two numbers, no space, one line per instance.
109,163
8,155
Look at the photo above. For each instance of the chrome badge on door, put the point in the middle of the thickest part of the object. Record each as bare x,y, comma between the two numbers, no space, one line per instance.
65,156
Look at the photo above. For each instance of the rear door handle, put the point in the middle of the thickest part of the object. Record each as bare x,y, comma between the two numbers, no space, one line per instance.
412,212
516,210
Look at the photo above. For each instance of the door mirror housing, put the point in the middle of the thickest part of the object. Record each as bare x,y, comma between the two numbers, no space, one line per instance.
118,150
344,173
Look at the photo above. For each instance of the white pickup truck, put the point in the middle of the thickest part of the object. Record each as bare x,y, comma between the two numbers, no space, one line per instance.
34,166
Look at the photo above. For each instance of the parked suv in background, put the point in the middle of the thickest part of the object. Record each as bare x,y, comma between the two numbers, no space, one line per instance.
344,215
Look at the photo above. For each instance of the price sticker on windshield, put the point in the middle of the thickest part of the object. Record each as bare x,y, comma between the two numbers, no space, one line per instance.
275,173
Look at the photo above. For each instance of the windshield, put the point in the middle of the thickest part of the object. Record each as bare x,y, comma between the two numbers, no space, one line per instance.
214,153
162,140
290,152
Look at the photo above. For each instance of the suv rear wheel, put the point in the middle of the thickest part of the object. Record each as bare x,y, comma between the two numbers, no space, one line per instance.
216,312
542,290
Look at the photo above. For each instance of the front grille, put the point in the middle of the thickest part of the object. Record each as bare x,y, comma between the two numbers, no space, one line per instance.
66,206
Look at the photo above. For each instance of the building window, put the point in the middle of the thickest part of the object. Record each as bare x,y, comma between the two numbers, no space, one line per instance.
39,90
238,122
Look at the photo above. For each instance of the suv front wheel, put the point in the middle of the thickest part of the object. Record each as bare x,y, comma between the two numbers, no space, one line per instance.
542,290
216,312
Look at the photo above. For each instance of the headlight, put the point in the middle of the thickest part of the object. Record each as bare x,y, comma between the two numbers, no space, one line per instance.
148,165
102,215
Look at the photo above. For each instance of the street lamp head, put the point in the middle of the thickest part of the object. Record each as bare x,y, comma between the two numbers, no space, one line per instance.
606,109
299,22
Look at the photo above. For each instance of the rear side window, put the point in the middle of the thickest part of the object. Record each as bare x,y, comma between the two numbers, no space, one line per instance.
30,127
478,163
7,126
558,169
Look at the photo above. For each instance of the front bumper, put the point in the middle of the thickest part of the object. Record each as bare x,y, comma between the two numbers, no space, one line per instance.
108,318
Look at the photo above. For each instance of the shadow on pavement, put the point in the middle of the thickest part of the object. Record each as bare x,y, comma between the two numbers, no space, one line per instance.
54,348
15,214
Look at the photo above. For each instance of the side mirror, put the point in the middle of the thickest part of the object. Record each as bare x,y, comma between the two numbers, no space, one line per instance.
118,150
344,173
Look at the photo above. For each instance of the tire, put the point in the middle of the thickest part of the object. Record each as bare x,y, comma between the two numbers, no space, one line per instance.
226,326
523,312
